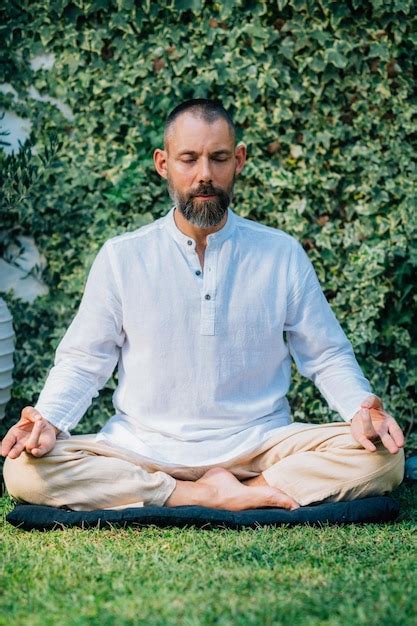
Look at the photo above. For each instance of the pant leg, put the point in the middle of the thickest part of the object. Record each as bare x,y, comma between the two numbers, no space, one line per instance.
84,475
323,462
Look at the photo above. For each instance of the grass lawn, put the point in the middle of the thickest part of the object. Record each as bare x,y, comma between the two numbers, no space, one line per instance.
296,576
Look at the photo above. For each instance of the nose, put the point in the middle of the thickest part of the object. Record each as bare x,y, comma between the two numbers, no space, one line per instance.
204,171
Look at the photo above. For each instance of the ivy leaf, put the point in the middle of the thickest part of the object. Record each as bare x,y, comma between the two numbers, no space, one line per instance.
185,5
337,59
317,63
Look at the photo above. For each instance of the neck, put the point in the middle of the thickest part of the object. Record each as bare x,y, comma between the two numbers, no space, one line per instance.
196,232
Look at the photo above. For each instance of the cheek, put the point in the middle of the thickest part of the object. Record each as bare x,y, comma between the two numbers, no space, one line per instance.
225,178
224,171
183,176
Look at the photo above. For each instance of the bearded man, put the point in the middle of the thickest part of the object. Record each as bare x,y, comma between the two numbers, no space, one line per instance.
201,311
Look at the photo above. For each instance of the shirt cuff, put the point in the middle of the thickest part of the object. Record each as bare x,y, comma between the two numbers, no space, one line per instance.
351,412
64,434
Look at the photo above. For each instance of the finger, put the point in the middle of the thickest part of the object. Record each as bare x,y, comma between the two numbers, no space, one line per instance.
367,425
363,430
43,448
8,442
394,429
396,433
33,440
40,451
366,443
16,450
389,443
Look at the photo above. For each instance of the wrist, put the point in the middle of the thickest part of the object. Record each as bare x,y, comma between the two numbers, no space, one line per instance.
57,431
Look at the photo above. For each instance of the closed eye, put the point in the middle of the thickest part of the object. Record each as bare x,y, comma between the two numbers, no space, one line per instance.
218,159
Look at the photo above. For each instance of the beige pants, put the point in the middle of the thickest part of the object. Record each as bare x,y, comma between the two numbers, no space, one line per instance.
310,462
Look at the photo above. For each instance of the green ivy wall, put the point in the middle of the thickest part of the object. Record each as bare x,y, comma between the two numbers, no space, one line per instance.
322,93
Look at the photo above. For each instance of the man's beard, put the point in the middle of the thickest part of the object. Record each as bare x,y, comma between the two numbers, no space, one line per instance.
202,213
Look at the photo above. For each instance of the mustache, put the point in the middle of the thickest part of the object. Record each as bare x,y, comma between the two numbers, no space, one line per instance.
206,190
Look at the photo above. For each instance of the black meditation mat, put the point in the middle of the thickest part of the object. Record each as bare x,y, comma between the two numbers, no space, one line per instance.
374,509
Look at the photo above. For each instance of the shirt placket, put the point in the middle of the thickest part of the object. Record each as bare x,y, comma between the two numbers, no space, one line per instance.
208,293
208,283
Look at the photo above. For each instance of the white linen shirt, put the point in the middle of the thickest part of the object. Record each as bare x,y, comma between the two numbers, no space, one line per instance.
203,355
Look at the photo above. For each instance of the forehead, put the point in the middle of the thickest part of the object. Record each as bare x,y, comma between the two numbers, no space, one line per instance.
192,132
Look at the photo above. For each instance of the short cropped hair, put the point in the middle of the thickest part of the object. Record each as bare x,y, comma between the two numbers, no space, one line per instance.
208,110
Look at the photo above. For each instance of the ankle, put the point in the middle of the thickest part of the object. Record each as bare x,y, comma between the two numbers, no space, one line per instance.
190,493
256,481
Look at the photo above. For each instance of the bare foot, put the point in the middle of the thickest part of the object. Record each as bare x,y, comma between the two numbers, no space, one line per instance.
220,489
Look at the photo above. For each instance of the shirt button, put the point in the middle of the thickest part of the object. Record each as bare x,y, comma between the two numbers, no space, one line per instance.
190,243
207,296
198,272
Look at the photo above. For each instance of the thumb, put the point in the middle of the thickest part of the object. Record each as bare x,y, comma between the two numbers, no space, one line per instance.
31,414
372,402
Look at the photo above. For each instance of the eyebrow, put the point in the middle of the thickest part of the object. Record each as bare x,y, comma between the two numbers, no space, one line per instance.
216,153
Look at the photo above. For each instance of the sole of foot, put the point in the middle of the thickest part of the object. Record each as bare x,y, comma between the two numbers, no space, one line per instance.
227,492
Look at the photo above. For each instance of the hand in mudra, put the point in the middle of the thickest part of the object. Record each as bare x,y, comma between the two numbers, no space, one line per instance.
32,433
372,422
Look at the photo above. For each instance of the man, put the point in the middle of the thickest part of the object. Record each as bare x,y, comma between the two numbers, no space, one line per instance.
193,308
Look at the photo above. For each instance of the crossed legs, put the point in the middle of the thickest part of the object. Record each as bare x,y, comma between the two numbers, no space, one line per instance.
305,464
323,462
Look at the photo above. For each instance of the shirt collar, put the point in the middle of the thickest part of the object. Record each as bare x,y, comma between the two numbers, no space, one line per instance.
219,236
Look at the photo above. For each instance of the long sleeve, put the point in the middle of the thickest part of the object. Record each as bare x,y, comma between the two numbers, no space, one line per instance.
318,344
89,350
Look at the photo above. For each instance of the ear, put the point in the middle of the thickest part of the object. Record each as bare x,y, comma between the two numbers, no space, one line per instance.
240,156
160,162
